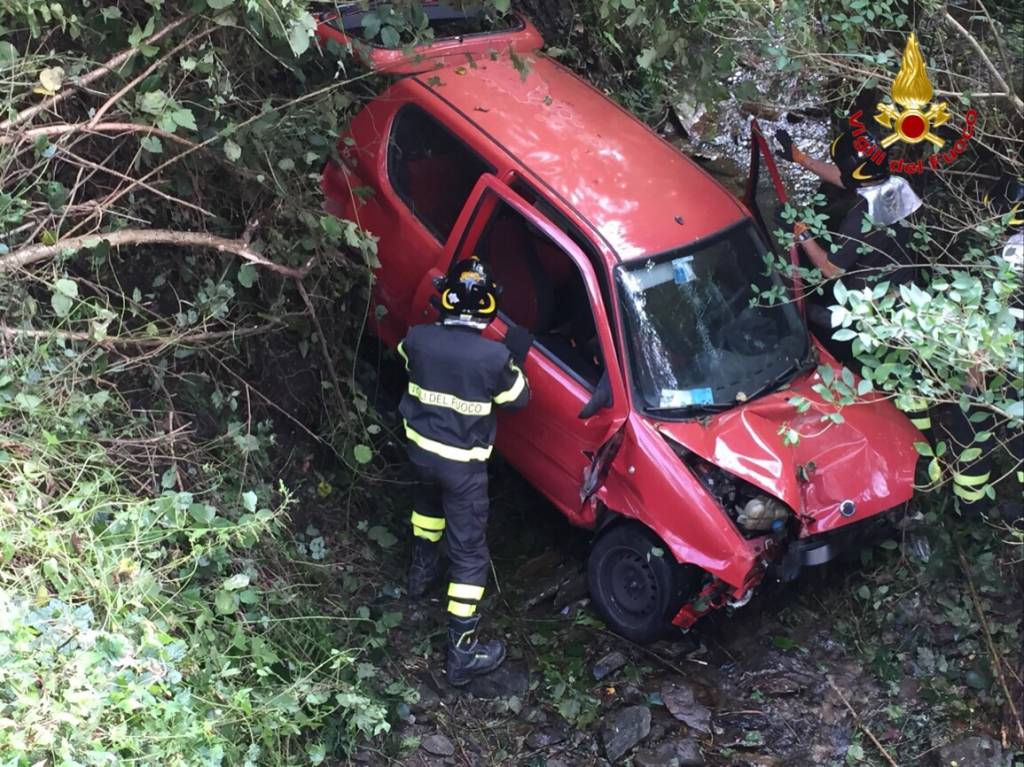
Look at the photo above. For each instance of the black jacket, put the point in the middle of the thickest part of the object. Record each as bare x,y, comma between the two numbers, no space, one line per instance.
456,377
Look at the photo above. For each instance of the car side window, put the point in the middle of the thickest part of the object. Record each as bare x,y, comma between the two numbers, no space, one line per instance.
543,291
431,170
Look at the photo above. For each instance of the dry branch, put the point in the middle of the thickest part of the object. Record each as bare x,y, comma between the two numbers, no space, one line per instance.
35,253
860,723
113,127
1000,80
146,342
101,71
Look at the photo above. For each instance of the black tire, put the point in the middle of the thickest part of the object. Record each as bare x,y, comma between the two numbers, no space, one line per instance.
635,582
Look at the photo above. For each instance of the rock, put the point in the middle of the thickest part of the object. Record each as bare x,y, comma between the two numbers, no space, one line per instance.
428,700
511,678
683,752
781,684
438,745
624,730
608,664
972,751
533,715
546,736
571,590
679,699
632,695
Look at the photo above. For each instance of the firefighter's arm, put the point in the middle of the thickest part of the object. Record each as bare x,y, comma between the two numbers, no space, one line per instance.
826,171
817,254
513,391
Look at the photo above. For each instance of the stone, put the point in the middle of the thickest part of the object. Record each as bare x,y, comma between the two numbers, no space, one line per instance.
680,701
624,730
781,684
972,751
510,678
546,736
683,752
608,664
533,715
438,745
428,700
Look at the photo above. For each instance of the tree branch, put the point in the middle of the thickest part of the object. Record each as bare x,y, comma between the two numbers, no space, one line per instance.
146,342
66,128
101,71
1014,98
34,253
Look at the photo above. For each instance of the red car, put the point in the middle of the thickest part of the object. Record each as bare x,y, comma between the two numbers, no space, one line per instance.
659,384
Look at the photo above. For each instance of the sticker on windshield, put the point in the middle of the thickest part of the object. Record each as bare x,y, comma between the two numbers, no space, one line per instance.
684,397
682,270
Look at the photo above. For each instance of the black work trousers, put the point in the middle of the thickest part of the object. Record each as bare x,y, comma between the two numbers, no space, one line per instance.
451,498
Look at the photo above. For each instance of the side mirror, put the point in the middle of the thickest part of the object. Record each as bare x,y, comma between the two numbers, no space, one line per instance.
600,399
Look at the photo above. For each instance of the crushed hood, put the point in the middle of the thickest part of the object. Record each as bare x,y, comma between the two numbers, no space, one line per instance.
869,459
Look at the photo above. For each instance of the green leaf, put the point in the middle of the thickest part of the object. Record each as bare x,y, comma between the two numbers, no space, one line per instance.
864,592
169,478
502,6
61,304
236,582
152,145
184,118
232,150
226,602
218,5
249,500
8,53
363,454
247,275
153,102
382,536
389,37
110,13
202,513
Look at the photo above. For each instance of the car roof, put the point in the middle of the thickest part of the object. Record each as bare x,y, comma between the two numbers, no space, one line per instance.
631,186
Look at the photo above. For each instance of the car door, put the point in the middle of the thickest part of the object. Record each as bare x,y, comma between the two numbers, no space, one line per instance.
419,174
548,442
765,193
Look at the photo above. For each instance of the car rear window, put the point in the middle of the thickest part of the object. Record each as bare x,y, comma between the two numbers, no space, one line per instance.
383,26
431,170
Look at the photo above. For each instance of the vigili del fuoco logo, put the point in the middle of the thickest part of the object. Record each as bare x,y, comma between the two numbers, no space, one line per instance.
911,117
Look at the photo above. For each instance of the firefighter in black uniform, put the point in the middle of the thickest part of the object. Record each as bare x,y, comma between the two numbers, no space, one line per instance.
862,258
456,378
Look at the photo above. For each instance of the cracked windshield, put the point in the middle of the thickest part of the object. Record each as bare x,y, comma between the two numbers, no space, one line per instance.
698,335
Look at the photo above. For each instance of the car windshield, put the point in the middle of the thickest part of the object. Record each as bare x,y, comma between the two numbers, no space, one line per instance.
699,338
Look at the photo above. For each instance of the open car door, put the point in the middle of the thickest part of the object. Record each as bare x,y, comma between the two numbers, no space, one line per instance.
765,193
578,399
460,35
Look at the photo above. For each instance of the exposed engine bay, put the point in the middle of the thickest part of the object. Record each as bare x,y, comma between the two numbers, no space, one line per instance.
755,512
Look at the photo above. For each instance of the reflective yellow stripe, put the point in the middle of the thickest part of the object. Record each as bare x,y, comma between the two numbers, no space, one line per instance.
402,354
516,389
450,401
971,480
461,609
970,496
465,591
447,451
429,535
1020,477
922,423
427,523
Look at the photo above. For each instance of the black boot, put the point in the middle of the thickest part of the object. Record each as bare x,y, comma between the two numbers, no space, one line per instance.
424,569
468,658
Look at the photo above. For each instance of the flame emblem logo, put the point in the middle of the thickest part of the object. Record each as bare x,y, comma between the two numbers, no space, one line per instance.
913,91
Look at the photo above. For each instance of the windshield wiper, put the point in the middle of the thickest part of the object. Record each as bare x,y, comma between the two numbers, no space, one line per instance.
707,407
785,376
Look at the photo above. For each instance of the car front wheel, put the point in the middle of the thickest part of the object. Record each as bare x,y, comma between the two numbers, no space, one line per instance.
635,582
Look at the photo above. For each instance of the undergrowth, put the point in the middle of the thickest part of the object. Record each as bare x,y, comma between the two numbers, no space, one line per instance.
149,610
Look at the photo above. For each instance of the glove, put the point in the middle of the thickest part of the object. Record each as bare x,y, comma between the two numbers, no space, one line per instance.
788,150
518,340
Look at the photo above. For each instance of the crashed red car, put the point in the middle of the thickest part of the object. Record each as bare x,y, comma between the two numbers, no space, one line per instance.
659,382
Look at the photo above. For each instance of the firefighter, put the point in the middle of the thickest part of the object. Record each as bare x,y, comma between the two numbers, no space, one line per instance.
976,427
456,378
862,258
